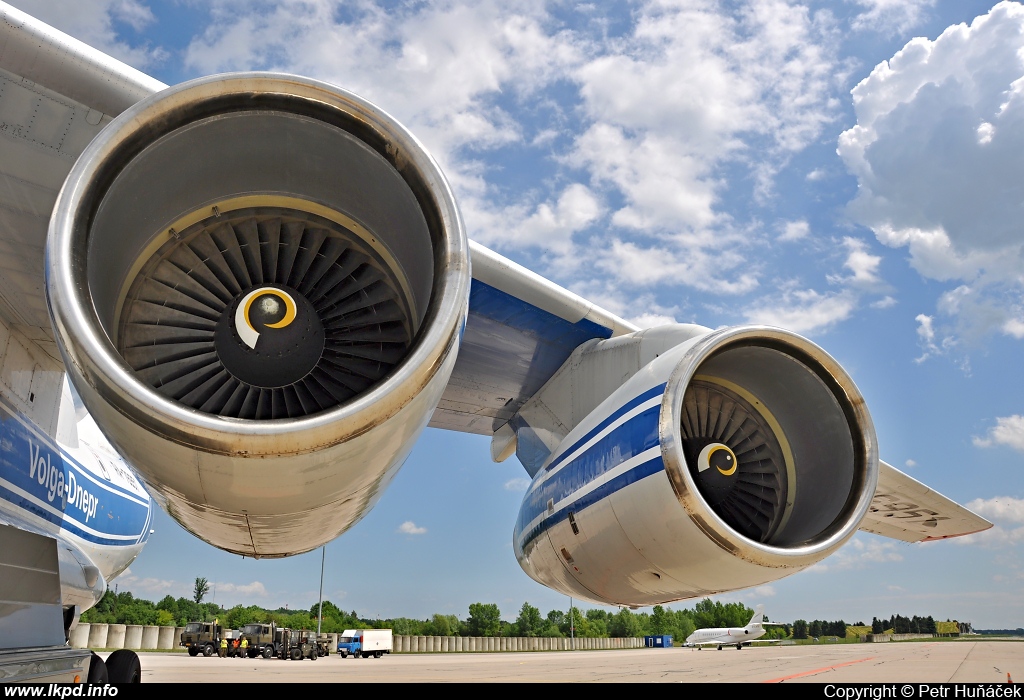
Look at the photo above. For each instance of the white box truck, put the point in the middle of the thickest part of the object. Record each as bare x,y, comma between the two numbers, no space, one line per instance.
365,643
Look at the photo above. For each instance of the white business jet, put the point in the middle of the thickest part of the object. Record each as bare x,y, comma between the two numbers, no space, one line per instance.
728,636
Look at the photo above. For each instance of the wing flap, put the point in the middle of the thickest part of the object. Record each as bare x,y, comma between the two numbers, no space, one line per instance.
905,509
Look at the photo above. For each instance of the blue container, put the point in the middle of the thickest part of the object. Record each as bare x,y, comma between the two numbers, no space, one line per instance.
663,641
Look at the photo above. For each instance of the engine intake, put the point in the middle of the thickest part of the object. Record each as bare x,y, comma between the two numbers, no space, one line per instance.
257,282
797,460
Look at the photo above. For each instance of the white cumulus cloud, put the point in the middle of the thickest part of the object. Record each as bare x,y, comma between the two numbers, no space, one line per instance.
1007,514
517,484
858,554
804,310
938,151
1008,431
411,528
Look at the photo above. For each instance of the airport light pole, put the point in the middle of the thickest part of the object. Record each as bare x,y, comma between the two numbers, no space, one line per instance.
320,610
572,626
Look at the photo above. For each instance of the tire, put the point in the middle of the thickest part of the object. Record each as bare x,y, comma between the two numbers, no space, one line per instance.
377,655
739,647
192,651
97,670
268,652
296,654
313,654
365,655
208,650
123,667
344,654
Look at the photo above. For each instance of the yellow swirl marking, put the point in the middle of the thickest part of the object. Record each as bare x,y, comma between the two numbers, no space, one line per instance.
243,324
289,306
727,472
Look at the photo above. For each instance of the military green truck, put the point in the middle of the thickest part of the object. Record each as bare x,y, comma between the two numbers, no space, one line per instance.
265,639
204,638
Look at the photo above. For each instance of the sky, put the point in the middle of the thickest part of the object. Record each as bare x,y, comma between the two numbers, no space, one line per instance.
850,170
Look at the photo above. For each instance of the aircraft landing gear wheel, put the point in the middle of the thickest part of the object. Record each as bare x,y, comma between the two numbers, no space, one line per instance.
739,647
123,667
97,670
719,647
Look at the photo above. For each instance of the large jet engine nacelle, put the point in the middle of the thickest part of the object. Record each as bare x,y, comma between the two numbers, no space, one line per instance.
729,460
258,283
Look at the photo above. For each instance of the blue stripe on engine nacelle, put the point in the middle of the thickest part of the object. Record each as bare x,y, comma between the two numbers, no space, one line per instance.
618,445
620,482
623,410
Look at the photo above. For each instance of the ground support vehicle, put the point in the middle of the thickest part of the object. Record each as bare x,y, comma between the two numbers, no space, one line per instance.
265,639
365,643
204,638
299,644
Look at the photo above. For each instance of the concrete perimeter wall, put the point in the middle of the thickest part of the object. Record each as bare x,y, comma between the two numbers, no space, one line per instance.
404,644
893,637
100,636
97,636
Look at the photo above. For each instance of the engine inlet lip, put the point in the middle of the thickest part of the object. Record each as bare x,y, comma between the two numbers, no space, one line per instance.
846,394
87,348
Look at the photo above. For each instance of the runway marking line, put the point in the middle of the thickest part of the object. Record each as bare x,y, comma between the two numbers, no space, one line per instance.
818,670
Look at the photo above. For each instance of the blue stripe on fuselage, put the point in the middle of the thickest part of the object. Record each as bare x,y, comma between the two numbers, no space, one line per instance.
43,480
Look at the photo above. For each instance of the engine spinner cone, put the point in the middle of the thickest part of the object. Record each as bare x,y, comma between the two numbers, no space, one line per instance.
735,459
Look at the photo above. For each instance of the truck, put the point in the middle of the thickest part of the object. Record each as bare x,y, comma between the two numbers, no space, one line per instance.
265,639
269,641
365,643
204,638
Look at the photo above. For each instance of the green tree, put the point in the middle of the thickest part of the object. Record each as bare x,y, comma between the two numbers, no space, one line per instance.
200,590
625,624
661,621
575,625
442,626
597,621
484,620
800,629
529,623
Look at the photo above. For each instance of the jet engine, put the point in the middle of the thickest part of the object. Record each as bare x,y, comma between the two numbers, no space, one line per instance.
726,460
258,282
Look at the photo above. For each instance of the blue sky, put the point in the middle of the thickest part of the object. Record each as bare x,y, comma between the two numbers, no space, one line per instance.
850,170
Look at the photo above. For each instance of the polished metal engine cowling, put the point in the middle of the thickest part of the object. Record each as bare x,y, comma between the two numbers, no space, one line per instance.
258,282
727,459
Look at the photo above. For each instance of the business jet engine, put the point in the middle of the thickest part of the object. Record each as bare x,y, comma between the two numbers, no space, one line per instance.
258,283
726,460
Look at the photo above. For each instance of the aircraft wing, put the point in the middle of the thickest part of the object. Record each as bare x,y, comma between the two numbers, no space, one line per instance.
905,509
57,93
521,328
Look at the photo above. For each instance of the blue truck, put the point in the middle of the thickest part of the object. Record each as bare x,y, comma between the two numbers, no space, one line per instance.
365,643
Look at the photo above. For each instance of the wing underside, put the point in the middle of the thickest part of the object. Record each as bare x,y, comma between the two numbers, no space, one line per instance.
905,509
